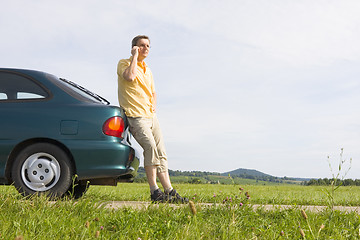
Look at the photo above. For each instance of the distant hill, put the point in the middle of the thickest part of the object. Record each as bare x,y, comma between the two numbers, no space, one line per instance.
255,174
223,178
246,172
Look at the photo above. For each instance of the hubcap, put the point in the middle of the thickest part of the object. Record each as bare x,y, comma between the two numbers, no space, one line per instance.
40,172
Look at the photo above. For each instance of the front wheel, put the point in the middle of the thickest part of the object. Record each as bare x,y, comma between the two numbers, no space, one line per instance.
42,168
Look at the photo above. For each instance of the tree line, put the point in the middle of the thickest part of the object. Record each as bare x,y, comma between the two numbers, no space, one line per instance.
191,173
329,181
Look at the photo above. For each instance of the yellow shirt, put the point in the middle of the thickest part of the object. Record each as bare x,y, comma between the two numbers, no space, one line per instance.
136,97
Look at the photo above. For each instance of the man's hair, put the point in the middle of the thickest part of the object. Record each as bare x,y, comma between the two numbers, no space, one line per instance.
137,38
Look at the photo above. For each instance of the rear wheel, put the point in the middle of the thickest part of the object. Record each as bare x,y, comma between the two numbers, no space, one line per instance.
42,168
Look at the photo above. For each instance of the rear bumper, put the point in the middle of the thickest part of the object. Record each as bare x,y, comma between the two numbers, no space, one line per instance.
103,160
128,176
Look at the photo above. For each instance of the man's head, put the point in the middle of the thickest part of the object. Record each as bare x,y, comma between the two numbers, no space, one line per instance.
141,45
137,38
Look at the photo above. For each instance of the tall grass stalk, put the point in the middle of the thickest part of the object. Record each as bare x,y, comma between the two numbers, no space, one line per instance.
336,176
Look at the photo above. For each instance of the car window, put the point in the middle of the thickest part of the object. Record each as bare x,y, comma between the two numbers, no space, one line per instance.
77,91
3,96
17,87
81,92
26,95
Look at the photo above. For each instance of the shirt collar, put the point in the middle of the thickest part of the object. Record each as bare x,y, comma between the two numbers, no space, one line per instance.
143,64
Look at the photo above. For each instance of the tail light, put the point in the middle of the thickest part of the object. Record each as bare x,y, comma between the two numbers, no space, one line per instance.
114,126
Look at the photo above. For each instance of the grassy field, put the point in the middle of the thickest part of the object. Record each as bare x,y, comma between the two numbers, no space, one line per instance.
231,218
270,194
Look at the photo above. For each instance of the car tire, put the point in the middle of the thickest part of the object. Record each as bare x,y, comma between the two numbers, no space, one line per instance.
42,168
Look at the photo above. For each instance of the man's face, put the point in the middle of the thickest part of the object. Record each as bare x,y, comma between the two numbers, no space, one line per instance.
144,45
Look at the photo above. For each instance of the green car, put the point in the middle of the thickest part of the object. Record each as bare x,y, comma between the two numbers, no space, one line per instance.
57,137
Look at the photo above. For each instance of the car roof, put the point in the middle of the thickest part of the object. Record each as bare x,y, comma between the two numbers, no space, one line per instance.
25,71
60,87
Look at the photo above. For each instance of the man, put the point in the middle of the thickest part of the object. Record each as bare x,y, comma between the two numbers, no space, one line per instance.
137,97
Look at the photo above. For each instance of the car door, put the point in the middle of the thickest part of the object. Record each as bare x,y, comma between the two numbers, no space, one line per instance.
19,96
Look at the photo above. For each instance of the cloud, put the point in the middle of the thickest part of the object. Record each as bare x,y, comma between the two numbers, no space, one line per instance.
291,32
254,84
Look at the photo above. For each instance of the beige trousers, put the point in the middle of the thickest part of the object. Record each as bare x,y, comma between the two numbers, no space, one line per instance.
147,133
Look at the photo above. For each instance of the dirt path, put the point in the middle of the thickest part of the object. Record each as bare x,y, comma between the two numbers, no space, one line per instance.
144,205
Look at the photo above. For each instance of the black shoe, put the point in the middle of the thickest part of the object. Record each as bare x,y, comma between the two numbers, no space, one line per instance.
158,196
176,198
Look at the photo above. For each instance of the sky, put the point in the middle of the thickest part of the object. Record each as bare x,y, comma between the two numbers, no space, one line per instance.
267,85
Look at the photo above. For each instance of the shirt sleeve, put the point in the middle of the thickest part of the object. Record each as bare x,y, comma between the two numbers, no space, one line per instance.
122,65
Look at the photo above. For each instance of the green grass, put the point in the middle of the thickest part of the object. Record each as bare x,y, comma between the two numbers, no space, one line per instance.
37,218
259,194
